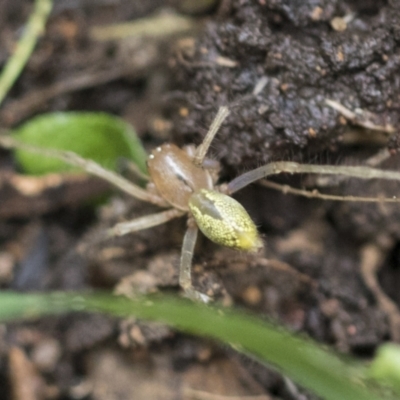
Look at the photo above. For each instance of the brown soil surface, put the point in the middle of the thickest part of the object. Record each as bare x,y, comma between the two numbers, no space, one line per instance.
316,272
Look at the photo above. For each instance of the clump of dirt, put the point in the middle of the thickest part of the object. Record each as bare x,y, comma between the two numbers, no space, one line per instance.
303,60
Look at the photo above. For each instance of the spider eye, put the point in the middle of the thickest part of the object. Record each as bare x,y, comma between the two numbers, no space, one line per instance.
224,221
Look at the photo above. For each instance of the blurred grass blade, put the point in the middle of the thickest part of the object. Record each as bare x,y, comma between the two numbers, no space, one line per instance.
161,25
386,365
300,359
101,137
24,48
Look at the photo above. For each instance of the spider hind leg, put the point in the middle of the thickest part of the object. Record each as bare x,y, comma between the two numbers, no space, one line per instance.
148,221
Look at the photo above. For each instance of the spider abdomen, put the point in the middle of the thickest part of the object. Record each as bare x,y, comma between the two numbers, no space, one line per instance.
223,220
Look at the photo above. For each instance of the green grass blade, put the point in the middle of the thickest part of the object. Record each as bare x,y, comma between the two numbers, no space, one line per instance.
302,360
35,28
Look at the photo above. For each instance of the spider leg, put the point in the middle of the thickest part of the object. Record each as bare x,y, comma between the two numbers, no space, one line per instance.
201,151
90,167
185,274
134,169
213,166
145,222
360,172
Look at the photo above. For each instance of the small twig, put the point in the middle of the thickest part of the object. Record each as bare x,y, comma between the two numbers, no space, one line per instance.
202,395
218,60
363,119
378,158
225,62
287,268
315,194
155,26
260,85
34,28
371,260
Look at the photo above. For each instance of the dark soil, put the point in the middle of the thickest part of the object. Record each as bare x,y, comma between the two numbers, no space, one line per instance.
312,275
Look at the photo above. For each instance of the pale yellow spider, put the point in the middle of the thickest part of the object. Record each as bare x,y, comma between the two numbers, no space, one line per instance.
184,182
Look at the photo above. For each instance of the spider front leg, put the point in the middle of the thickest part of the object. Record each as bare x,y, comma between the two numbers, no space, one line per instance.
201,151
185,273
90,167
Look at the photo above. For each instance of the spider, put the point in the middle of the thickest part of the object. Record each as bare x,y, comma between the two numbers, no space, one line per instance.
184,182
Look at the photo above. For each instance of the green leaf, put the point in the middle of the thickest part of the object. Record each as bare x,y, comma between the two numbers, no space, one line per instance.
302,360
97,136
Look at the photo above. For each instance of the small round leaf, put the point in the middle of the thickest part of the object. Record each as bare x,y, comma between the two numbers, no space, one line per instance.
101,137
